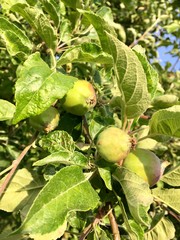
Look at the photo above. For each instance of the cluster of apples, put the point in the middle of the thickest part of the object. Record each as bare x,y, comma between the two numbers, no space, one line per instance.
78,100
114,145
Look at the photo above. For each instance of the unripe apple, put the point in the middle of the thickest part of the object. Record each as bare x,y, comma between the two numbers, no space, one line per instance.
145,164
80,98
113,144
47,120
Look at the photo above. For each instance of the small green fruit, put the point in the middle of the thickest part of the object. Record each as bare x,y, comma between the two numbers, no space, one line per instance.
47,120
145,164
80,98
113,144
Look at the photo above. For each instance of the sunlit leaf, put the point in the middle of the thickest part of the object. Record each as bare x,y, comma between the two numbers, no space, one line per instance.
67,191
7,110
172,177
151,73
52,8
57,141
38,20
17,43
64,157
166,122
86,52
101,26
162,228
7,4
131,79
22,189
168,196
37,87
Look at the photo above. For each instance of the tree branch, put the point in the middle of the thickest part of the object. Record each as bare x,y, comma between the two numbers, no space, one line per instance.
145,33
114,226
16,163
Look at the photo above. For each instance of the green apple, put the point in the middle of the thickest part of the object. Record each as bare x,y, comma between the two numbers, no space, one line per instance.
47,120
145,164
80,98
113,144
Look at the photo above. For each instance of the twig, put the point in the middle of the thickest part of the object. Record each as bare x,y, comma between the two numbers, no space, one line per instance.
145,33
6,170
86,130
114,226
176,62
16,163
90,227
176,216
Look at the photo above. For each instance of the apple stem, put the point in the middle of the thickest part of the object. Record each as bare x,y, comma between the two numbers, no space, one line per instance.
130,122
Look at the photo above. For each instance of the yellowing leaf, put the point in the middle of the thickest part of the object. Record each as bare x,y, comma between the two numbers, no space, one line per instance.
20,190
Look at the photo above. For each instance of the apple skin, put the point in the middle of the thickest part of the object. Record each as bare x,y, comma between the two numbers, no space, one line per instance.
145,164
113,144
47,120
80,98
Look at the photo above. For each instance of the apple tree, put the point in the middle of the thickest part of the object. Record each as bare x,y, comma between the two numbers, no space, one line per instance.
89,120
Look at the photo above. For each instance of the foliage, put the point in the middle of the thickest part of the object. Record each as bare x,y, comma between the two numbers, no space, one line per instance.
62,189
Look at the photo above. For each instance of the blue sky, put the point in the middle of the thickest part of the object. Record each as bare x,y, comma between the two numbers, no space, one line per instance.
164,57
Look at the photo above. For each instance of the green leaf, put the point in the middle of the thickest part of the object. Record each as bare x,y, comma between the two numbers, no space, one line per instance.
73,4
17,43
86,52
38,21
165,101
7,110
37,87
136,231
22,189
67,191
168,196
166,122
55,158
101,26
172,177
161,228
64,157
7,4
106,176
131,79
65,34
173,27
151,74
52,8
57,141
137,193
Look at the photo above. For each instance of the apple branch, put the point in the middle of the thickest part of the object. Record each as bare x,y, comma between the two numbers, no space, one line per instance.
16,163
114,226
145,33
